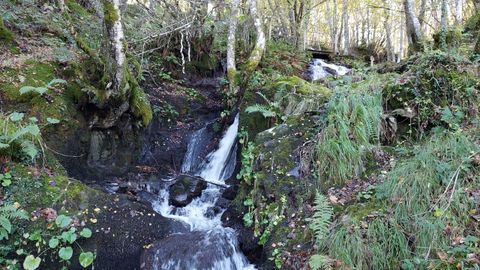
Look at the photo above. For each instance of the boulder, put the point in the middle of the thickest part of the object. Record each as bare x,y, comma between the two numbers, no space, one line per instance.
185,189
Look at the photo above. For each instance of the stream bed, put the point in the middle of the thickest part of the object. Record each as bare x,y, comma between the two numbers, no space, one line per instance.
206,244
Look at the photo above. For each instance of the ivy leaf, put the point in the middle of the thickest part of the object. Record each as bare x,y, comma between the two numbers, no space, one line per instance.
86,259
15,116
86,232
65,253
63,221
52,120
31,262
53,243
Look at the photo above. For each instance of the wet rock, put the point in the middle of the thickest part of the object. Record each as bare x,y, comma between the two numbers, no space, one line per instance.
230,192
185,189
195,250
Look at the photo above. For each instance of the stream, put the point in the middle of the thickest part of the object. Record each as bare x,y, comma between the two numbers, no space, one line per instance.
207,244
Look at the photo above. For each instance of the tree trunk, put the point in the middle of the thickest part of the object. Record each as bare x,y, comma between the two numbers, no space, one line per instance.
346,33
232,29
414,31
115,47
458,11
257,52
443,25
402,38
388,33
423,11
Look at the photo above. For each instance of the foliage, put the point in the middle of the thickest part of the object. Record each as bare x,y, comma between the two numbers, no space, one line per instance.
19,139
434,82
352,129
321,219
41,89
425,195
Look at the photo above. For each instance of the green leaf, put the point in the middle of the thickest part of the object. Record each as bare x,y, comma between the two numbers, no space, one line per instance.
56,81
33,119
86,232
4,145
29,149
69,236
5,223
86,259
53,243
6,182
15,116
63,221
27,89
30,129
52,120
31,262
65,253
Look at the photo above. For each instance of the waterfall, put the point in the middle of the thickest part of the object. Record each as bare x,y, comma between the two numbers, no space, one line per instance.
319,69
209,244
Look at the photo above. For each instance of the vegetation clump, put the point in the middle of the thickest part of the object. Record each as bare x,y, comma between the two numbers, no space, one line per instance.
435,82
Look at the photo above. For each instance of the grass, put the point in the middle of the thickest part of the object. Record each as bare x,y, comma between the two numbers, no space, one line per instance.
425,195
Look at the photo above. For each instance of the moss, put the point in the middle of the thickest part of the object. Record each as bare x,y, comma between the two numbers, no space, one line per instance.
141,105
361,210
6,36
110,13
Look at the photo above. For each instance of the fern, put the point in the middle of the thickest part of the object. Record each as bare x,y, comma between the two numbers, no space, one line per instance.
8,213
265,110
319,261
320,222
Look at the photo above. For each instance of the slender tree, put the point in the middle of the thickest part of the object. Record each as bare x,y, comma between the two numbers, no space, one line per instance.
414,31
346,32
458,11
443,25
232,29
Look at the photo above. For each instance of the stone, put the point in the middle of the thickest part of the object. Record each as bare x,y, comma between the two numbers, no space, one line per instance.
185,189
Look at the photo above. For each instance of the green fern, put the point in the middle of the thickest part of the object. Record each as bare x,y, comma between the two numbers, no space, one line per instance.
319,261
9,213
321,219
265,110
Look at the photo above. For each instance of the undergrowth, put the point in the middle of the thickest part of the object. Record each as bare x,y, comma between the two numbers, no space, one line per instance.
426,199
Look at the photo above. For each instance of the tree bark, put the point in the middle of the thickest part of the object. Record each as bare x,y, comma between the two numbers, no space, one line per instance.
458,11
414,31
115,47
423,11
443,25
257,52
388,33
346,32
231,65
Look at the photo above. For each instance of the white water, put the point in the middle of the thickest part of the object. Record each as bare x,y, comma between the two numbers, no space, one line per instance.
319,69
196,214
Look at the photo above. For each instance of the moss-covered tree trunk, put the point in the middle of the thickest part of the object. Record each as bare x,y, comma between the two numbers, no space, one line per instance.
121,92
115,48
257,53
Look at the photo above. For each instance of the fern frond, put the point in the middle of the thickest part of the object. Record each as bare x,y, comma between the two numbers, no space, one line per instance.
318,261
321,219
263,109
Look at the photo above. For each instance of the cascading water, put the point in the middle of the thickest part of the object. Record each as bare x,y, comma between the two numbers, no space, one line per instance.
208,245
319,69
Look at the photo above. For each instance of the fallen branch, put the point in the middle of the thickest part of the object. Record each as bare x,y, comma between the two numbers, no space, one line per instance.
204,180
